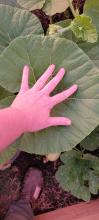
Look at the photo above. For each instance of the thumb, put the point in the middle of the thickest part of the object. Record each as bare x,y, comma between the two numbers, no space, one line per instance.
24,82
59,121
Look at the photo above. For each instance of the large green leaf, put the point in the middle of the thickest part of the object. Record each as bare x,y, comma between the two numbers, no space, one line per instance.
7,154
16,22
83,109
91,142
4,93
9,2
91,8
79,175
31,4
52,7
84,29
92,50
6,101
10,152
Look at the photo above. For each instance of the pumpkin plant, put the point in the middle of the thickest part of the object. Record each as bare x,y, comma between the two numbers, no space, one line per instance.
69,44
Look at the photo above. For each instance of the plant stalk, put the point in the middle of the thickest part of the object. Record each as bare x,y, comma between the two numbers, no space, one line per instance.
72,8
51,19
64,29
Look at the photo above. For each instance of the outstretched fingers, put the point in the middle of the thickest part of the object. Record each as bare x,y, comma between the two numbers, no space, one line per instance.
24,82
64,95
54,121
54,82
43,79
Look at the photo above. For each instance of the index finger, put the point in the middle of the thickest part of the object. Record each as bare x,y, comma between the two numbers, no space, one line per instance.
43,79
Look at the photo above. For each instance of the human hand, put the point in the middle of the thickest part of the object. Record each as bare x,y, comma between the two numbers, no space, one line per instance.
36,103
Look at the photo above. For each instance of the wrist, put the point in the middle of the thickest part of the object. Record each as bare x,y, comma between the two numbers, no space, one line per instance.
19,117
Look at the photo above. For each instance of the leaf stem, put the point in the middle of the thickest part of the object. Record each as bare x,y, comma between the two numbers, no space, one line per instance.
72,8
61,31
65,14
34,77
51,19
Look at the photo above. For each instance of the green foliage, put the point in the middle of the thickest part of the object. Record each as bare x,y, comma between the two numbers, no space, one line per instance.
10,2
83,28
38,52
92,50
6,101
4,93
91,142
10,153
91,8
20,44
53,29
16,22
79,175
31,4
50,7
60,29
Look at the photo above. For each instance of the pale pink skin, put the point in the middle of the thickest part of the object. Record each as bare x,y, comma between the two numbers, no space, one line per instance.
30,111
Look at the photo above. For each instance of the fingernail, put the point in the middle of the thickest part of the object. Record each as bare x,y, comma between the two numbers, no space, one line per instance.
62,70
26,68
75,86
52,65
68,122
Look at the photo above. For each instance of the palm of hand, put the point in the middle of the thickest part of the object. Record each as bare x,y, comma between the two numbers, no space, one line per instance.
36,103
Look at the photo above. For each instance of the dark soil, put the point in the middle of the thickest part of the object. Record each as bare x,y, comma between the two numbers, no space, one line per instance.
52,196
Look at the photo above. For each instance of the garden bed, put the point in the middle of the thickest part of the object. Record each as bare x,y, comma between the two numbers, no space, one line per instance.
52,197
